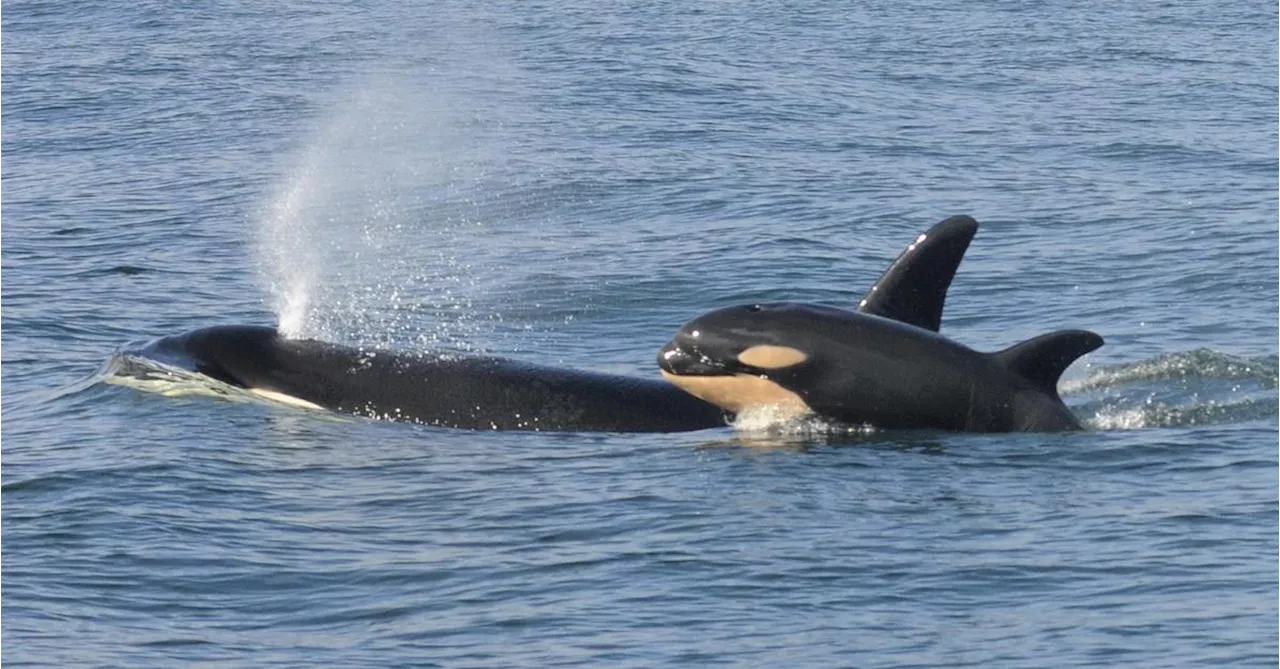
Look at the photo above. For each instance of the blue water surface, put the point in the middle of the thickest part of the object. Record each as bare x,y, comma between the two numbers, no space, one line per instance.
567,183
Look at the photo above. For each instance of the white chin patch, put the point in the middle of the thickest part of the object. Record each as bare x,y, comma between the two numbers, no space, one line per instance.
741,392
284,399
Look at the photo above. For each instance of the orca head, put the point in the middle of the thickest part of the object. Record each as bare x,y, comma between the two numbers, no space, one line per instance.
233,354
750,356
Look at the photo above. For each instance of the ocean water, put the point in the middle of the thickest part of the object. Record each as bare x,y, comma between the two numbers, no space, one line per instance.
567,183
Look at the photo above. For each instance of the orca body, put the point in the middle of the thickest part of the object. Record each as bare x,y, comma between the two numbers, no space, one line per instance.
885,366
868,370
471,392
476,392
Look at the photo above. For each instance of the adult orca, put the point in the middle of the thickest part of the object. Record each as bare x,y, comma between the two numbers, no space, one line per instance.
886,366
481,392
474,392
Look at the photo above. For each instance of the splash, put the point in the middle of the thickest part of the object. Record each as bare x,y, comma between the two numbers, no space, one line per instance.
1200,363
1154,413
773,421
1182,389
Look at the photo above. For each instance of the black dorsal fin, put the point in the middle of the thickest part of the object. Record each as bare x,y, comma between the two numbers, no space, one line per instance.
914,287
1043,359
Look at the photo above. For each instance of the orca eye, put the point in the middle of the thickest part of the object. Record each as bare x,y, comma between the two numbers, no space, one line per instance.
754,308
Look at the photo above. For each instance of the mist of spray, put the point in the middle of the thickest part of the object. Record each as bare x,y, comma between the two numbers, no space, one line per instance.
363,241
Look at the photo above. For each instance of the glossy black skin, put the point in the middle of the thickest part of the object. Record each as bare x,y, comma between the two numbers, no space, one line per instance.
463,392
864,369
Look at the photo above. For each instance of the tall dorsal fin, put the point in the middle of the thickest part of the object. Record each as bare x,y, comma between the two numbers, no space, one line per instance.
914,287
1043,359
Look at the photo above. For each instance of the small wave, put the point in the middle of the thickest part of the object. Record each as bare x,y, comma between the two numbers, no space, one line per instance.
1200,363
153,376
1162,414
1181,389
118,270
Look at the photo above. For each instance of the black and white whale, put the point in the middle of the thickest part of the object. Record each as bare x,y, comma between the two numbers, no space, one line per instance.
474,392
481,392
885,366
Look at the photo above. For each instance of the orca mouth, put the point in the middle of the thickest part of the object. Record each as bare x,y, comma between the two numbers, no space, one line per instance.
728,384
689,361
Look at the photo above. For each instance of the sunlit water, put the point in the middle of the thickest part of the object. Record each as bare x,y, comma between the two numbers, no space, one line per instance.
566,184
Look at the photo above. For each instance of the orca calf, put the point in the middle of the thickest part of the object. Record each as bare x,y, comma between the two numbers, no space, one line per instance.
884,366
479,392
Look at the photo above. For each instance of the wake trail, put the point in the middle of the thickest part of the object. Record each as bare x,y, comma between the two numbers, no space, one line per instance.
1185,388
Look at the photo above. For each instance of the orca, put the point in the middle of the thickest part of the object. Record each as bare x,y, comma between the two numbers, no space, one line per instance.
482,392
914,288
473,392
885,366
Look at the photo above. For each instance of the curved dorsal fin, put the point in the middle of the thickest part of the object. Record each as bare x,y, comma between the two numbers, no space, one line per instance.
1043,359
914,287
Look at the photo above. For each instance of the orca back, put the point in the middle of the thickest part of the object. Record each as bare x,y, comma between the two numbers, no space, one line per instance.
474,392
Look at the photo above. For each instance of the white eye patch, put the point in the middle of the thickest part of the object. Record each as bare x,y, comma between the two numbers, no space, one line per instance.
767,356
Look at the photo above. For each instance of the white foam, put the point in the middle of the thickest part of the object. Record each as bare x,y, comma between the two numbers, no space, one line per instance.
1121,419
782,421
167,381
